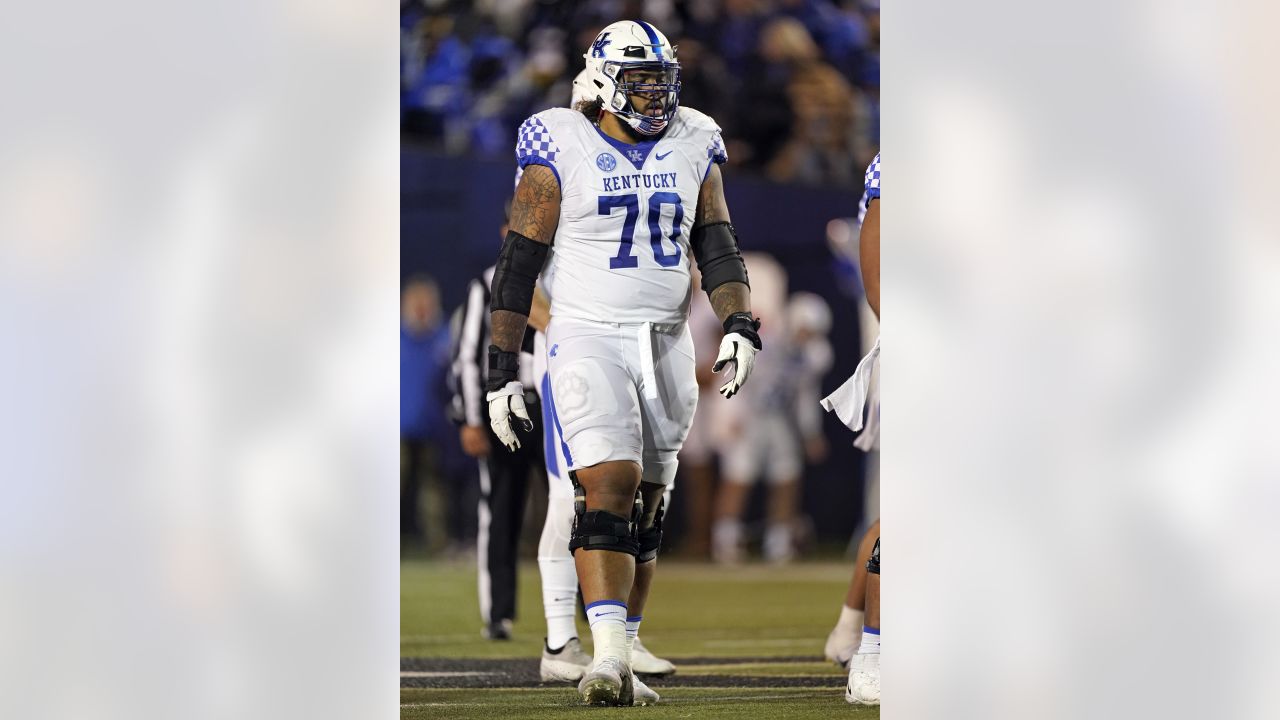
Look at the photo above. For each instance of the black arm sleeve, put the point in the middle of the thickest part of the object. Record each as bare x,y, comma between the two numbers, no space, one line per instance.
715,246
519,265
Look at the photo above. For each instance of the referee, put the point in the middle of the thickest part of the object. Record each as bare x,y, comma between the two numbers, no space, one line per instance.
504,476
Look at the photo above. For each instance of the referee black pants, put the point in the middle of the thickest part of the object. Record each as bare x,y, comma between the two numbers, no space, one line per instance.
504,489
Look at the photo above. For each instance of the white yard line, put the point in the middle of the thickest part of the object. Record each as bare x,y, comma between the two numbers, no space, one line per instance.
775,642
439,639
786,695
443,674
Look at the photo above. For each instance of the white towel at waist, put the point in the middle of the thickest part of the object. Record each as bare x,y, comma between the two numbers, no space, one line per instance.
850,398
644,338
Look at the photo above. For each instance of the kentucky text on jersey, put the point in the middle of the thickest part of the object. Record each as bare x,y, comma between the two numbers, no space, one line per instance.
640,180
621,249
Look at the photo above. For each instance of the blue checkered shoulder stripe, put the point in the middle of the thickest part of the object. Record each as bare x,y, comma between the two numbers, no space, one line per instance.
872,180
716,151
535,143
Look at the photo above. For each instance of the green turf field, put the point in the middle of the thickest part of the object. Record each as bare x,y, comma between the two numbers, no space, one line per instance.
747,642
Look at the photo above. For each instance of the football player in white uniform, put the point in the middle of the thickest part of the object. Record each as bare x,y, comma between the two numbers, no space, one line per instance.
849,402
616,200
864,668
563,658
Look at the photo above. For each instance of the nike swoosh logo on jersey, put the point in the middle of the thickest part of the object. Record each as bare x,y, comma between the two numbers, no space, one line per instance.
663,155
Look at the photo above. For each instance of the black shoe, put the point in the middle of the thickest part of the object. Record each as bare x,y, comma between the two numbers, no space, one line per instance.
500,630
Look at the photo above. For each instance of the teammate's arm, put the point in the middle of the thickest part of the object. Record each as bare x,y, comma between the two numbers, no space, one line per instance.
724,277
869,254
535,213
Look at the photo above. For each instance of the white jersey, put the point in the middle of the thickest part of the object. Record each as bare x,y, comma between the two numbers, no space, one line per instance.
621,251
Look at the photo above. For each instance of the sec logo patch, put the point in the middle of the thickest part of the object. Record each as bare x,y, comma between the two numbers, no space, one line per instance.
606,162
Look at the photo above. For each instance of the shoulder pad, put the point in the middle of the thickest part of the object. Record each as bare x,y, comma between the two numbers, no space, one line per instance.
559,115
704,130
696,119
544,137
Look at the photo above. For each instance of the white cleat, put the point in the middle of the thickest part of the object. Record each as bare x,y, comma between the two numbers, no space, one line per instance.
644,695
568,664
842,643
864,680
646,663
608,682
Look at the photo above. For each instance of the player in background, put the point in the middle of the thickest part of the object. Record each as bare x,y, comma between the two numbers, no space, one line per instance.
780,426
698,474
613,202
563,658
849,403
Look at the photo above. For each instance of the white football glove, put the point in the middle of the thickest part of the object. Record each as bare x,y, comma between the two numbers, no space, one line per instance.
738,346
504,403
738,350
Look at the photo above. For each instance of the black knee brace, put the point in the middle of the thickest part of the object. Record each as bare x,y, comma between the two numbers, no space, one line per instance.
650,538
603,530
599,529
873,563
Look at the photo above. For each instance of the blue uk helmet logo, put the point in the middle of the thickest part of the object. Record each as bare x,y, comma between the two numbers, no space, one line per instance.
606,162
597,47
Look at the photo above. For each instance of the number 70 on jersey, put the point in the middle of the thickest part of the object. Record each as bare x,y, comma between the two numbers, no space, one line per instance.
631,203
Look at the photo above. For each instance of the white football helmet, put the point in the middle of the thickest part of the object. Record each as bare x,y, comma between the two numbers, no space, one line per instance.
580,91
633,58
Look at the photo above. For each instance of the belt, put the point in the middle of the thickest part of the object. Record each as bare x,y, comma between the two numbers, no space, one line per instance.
670,328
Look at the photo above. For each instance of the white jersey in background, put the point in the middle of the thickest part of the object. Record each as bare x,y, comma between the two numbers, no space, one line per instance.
621,251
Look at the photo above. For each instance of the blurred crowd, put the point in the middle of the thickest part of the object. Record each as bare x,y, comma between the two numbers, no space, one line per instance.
793,83
770,435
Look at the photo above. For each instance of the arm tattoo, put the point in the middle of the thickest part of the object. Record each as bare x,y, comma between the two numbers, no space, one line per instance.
535,213
711,205
508,329
730,298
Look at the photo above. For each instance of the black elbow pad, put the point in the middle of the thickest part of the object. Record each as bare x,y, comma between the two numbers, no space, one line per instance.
519,264
716,248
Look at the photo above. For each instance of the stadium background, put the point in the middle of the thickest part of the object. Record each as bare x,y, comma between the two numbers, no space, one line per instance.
793,83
